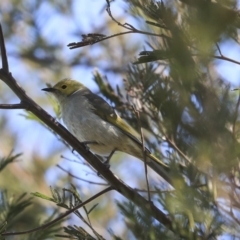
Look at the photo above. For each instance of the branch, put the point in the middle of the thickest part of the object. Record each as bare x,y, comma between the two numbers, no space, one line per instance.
3,52
115,182
93,38
143,151
221,57
46,225
235,116
226,59
13,106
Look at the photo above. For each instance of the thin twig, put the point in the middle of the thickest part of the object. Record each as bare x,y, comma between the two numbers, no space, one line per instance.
226,59
156,24
229,213
173,145
222,57
13,106
143,152
71,160
74,45
154,191
236,114
125,25
82,179
3,52
219,50
47,225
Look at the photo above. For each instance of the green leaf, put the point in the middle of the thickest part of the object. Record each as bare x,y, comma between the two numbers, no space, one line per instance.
40,195
9,159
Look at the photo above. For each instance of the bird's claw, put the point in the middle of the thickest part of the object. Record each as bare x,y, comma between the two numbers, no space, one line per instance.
106,164
109,157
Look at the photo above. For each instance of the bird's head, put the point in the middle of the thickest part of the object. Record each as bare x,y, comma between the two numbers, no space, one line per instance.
64,88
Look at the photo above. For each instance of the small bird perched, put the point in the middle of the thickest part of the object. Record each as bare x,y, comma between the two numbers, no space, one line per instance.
94,122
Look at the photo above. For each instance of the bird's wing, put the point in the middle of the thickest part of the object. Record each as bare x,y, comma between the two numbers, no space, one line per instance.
107,113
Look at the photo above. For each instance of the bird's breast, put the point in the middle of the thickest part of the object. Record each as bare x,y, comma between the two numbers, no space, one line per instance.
89,127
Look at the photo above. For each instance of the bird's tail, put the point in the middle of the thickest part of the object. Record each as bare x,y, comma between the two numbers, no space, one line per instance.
159,167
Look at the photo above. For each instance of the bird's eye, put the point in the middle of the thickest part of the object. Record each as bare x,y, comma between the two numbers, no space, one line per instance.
64,86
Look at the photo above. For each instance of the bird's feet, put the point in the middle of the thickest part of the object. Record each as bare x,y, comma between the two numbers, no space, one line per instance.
106,164
107,161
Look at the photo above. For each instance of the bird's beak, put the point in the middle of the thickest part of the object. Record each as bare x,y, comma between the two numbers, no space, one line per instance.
50,89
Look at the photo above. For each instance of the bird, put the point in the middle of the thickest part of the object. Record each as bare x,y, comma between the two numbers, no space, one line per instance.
94,122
